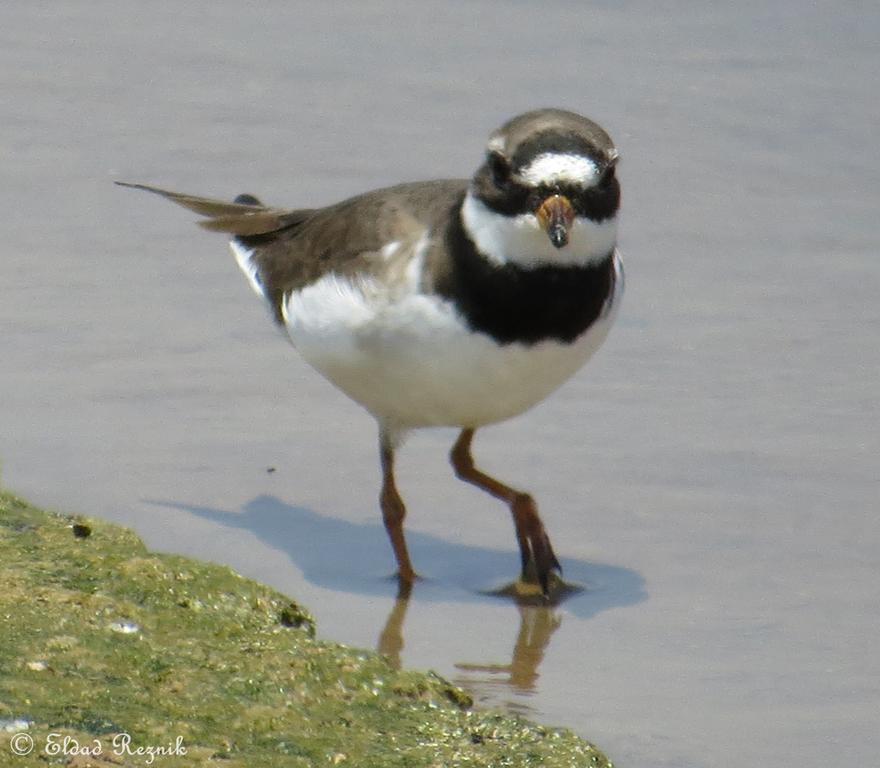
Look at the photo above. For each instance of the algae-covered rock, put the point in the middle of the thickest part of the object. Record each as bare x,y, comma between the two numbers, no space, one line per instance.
112,655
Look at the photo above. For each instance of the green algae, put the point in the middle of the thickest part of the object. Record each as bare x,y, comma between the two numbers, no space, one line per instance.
99,637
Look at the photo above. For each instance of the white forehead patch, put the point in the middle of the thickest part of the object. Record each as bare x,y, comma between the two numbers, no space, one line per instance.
555,168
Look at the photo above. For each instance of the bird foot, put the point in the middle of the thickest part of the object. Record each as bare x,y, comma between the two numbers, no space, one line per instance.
539,562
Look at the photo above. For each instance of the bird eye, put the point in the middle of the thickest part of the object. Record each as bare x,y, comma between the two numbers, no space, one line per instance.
499,168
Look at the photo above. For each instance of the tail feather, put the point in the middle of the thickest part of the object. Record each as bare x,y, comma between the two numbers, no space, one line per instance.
246,216
251,223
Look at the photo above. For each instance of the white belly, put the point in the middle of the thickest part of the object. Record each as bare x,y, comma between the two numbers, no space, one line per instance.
412,362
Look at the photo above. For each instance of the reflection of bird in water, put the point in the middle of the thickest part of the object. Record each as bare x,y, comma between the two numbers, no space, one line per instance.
536,627
483,681
391,638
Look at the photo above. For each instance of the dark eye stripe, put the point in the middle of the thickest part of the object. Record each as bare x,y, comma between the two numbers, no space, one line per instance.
599,202
499,168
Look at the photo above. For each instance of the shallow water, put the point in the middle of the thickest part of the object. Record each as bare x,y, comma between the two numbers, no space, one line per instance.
710,477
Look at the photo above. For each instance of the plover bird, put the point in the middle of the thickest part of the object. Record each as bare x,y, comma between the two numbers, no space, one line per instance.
456,303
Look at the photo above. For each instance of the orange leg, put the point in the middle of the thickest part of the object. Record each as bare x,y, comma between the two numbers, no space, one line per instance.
538,559
393,512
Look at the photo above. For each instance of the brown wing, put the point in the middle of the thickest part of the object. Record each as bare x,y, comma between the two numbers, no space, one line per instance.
290,249
348,238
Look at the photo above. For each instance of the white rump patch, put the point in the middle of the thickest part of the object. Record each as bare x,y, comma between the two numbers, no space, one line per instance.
555,168
521,240
244,257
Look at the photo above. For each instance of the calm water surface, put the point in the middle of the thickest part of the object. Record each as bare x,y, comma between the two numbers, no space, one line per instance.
711,478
